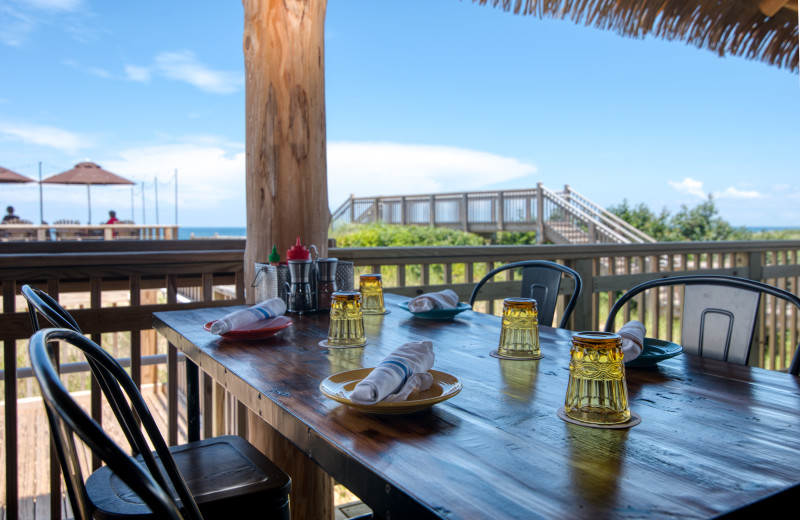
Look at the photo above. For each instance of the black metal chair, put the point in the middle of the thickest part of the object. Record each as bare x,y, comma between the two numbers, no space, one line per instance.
541,281
213,478
719,314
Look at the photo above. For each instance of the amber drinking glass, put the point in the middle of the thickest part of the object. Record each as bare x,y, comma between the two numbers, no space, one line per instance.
519,336
371,288
596,392
347,323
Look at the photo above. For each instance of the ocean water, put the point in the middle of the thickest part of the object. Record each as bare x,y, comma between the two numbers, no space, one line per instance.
185,233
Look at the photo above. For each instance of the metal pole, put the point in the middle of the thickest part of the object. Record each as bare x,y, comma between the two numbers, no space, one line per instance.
144,218
89,197
155,181
133,216
176,196
41,207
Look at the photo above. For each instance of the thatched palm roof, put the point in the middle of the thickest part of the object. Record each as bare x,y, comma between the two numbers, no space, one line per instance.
756,29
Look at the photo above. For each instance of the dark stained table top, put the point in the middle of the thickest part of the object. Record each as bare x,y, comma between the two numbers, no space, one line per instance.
714,436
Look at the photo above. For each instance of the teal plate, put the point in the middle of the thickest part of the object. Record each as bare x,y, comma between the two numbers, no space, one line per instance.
655,351
438,314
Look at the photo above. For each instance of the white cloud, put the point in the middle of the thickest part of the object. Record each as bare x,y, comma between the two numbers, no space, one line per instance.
735,193
103,73
55,5
373,168
211,174
184,66
139,74
20,18
46,136
689,186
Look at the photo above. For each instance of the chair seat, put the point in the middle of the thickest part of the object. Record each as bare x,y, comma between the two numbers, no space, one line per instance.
228,477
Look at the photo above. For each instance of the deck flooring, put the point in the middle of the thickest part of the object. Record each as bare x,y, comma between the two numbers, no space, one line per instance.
34,444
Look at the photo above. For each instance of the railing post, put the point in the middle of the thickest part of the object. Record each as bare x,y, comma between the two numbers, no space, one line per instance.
352,208
432,211
756,267
403,210
583,318
375,209
501,211
465,211
10,386
539,213
592,230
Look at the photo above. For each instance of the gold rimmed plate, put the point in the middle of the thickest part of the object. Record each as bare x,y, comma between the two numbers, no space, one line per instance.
339,387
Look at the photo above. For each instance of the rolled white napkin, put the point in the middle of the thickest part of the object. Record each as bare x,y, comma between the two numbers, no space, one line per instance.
399,374
262,311
446,299
632,339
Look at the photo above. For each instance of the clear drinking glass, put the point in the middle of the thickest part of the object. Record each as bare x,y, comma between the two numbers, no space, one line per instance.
519,336
371,288
347,322
596,392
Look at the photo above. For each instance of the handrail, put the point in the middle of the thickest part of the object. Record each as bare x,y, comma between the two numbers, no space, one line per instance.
584,217
591,207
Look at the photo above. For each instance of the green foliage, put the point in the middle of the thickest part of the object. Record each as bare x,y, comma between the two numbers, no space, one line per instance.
514,238
380,234
700,223
777,234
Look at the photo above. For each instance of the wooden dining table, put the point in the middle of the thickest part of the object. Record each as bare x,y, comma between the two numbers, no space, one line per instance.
714,438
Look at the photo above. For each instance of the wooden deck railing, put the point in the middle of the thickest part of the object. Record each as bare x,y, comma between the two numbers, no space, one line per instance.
197,267
80,233
152,273
560,217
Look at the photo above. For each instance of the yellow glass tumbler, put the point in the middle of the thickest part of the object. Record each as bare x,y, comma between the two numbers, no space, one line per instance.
371,287
596,392
519,336
347,323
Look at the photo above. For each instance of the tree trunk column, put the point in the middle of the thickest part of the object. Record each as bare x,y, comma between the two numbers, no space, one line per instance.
287,187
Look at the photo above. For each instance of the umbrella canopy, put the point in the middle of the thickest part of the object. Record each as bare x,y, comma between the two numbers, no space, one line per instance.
87,173
7,176
764,30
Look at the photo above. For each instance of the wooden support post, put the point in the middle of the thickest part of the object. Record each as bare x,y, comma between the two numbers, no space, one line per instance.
465,211
432,211
286,168
376,206
539,213
403,210
501,211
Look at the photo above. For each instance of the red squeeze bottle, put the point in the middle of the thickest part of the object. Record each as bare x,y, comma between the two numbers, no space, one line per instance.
298,252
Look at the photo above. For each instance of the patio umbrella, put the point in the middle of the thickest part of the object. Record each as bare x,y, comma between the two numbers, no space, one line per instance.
87,173
7,176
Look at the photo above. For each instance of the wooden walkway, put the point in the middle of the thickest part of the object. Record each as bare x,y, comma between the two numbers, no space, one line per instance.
34,443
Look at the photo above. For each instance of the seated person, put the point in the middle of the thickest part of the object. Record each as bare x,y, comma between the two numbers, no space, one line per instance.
10,217
112,217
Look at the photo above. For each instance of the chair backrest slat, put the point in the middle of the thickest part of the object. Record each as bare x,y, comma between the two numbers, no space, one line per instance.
541,280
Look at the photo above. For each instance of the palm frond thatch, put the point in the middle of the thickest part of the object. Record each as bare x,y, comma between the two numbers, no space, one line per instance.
727,27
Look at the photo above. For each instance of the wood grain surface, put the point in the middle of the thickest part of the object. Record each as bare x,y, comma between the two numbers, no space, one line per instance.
714,437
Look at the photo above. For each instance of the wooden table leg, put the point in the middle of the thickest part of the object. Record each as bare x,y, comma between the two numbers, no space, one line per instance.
312,488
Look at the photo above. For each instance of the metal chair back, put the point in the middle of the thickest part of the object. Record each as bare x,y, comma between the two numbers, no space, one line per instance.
719,314
541,280
67,419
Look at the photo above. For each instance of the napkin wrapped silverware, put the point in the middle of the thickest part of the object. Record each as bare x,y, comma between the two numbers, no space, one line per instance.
400,373
446,299
262,311
632,334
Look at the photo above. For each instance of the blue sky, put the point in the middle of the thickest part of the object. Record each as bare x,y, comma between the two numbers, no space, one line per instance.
421,97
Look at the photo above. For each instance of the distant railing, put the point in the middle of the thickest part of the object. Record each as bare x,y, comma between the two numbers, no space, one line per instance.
558,217
78,232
